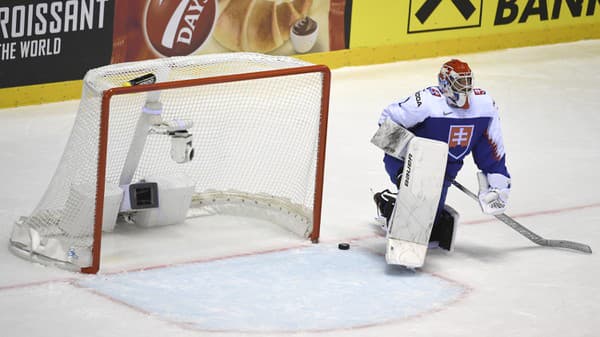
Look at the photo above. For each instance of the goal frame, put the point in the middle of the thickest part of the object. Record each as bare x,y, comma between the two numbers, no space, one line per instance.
117,91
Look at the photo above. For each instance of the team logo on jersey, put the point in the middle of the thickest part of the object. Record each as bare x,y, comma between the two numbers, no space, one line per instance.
435,92
459,140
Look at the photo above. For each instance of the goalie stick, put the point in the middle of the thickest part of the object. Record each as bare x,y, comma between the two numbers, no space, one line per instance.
526,232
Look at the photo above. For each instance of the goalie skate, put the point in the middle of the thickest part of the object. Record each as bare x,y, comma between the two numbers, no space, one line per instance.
384,202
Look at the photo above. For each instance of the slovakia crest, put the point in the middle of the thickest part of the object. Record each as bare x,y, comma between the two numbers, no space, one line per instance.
459,140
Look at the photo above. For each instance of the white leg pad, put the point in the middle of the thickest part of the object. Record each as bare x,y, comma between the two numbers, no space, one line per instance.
416,205
405,253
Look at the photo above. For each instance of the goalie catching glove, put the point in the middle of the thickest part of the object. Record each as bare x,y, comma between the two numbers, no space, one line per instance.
494,189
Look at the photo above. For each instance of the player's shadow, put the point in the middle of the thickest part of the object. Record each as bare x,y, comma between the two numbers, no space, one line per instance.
393,270
534,247
478,252
487,254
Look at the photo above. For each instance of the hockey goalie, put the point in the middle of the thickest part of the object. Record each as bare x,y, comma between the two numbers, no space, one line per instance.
425,138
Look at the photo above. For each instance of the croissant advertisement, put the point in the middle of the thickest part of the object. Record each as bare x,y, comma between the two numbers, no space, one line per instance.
50,41
146,29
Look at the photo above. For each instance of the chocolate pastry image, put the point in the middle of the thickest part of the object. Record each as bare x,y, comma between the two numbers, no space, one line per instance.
304,34
257,25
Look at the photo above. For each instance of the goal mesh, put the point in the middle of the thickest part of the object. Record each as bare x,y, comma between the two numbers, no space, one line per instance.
259,127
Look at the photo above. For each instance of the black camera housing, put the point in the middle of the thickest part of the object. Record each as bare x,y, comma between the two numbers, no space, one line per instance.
143,195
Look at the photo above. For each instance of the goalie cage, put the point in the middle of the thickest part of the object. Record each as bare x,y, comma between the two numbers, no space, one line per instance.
259,130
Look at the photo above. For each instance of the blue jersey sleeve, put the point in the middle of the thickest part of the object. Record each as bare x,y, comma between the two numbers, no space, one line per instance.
488,152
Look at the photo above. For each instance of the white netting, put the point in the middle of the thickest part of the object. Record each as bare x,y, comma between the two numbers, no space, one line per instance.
255,143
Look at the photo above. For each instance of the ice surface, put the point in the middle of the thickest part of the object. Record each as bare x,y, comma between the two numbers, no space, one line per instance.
550,111
304,289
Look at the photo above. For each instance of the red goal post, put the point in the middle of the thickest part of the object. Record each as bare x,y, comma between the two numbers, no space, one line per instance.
259,136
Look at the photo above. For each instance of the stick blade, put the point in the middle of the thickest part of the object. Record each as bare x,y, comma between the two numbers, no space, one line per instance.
569,245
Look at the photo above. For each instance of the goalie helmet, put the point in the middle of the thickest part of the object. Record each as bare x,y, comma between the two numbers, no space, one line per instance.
456,82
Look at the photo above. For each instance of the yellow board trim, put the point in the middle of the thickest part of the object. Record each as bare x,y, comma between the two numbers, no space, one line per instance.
464,45
69,90
40,93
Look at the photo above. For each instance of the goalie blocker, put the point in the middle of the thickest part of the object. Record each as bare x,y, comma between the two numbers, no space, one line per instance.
411,223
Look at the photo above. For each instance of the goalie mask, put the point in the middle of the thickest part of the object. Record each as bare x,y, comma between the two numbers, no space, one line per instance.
456,82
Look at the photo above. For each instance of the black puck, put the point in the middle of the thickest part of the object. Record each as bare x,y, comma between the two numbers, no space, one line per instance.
344,246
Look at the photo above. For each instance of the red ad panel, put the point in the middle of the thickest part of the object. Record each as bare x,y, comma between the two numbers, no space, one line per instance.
159,28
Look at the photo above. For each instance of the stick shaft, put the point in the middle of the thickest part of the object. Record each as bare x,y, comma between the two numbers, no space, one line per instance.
512,223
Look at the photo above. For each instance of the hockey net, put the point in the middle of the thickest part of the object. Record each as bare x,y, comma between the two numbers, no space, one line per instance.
257,127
